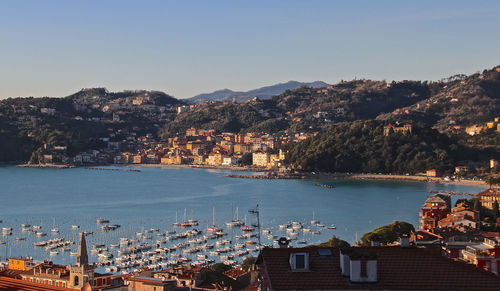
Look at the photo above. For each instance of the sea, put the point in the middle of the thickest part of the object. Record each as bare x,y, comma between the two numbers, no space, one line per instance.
155,198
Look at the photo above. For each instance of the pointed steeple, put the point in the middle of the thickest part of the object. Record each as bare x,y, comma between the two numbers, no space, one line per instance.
82,259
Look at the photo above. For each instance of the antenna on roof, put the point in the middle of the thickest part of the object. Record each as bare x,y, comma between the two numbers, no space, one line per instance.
255,211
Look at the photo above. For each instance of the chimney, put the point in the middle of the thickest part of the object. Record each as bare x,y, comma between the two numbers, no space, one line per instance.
345,261
283,242
363,268
404,241
374,240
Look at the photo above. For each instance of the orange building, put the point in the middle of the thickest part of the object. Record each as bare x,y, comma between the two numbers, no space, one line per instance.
461,169
493,164
171,160
242,148
21,264
138,159
432,173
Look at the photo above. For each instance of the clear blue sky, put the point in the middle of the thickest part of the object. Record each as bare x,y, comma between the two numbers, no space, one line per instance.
54,48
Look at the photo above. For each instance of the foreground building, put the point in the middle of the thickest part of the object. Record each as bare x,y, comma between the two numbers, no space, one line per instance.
368,268
23,274
485,255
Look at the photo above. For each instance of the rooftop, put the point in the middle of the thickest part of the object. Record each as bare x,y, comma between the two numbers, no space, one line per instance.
398,269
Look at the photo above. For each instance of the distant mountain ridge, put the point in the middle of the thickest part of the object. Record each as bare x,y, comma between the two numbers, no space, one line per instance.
261,93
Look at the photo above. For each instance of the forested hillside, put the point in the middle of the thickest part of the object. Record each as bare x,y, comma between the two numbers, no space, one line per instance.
361,146
460,101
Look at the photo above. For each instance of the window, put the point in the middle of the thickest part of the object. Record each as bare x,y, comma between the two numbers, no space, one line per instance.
64,284
299,261
57,284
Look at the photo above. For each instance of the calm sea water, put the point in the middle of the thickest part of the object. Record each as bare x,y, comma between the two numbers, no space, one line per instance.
152,197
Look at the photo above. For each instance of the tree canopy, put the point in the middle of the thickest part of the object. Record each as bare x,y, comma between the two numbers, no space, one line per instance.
388,233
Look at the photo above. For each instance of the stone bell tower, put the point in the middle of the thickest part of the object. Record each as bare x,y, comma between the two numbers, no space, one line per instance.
82,272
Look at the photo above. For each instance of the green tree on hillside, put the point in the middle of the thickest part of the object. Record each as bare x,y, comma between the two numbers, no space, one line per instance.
387,233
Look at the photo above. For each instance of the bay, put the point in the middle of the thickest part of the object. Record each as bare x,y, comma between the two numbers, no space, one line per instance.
152,197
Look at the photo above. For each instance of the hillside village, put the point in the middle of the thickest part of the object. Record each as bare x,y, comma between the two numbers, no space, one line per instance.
94,126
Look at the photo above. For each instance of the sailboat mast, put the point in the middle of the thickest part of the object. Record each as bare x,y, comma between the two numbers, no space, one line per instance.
213,216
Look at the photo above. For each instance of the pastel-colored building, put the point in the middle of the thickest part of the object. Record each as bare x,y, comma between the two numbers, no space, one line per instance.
214,159
488,198
435,208
21,264
260,159
432,173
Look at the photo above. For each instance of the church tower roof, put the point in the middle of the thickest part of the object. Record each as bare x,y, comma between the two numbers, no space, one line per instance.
82,258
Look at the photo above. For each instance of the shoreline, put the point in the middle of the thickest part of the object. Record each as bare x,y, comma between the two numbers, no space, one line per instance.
346,176
271,174
438,180
227,168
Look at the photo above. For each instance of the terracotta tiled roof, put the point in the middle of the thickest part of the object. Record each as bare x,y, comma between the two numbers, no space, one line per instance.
489,192
235,273
152,281
490,234
398,269
20,285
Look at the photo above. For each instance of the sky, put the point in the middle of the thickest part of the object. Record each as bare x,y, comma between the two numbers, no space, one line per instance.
184,48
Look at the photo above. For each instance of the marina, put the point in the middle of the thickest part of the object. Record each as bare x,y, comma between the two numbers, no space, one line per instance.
124,251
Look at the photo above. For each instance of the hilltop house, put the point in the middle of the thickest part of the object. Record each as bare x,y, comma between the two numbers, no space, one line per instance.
405,129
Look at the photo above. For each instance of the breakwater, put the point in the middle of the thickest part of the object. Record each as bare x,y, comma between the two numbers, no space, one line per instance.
269,176
51,166
112,169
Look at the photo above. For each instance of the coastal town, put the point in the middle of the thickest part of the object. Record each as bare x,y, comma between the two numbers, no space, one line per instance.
250,145
245,151
197,147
